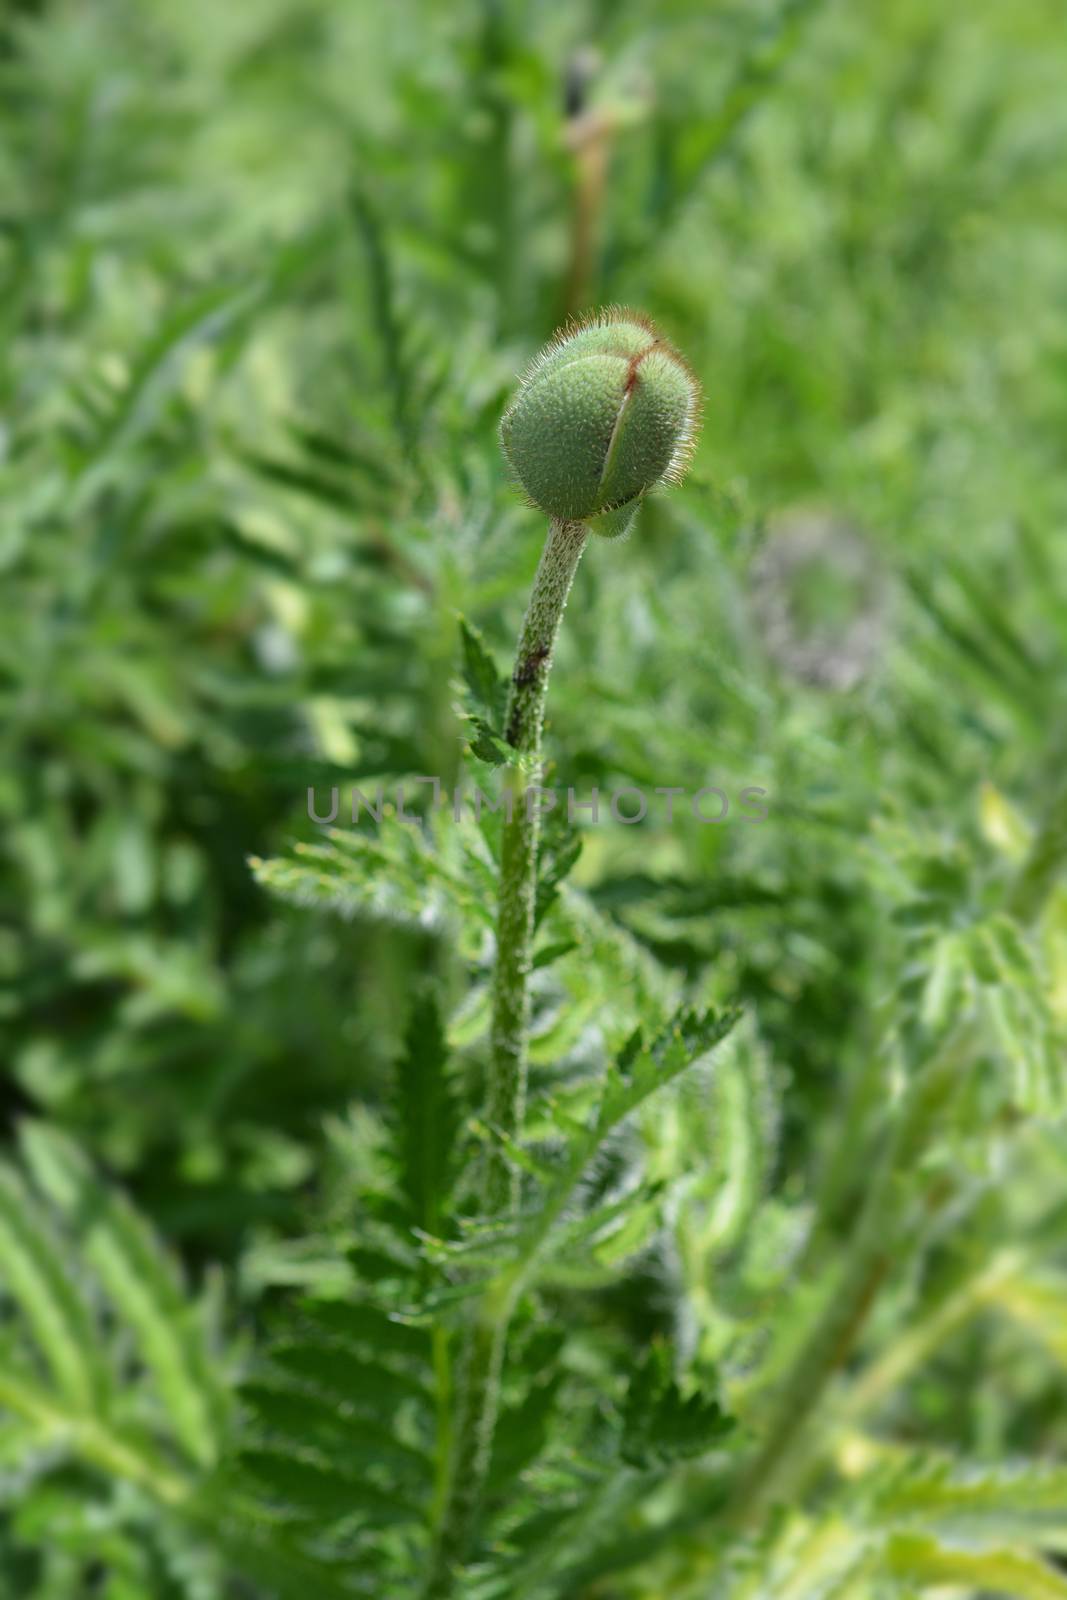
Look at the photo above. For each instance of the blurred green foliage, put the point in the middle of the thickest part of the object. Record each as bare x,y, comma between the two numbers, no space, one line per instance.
267,273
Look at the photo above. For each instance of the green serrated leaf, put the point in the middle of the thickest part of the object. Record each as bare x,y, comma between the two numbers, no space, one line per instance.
141,1283
488,745
156,368
659,1424
426,1113
330,492
642,1069
38,1277
522,1432
551,953
336,1370
366,1325
298,1418
395,877
487,688
1003,1571
307,1487
561,845
279,1566
639,1072
1021,1502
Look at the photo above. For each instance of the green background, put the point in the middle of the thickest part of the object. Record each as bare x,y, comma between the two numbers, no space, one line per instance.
268,273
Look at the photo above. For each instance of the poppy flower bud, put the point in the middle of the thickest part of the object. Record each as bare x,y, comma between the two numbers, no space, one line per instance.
608,410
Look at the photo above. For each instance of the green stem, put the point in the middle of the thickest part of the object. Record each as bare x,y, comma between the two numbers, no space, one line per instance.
886,1375
477,1403
477,1392
869,1259
506,1096
869,1254
918,1342
442,1367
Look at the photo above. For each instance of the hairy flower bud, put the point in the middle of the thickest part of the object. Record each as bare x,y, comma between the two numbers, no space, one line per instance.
608,410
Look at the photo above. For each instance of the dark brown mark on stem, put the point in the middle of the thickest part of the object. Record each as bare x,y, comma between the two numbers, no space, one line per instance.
528,668
527,671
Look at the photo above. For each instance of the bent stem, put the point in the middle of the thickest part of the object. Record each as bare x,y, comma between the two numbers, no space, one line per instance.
868,1261
870,1251
478,1375
869,1254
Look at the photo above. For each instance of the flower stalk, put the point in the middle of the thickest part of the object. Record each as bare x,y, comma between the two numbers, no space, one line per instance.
482,1354
605,413
505,1101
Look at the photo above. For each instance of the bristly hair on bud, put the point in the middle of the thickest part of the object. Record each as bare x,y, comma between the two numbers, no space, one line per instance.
608,410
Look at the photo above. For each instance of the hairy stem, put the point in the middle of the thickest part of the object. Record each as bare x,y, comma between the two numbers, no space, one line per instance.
477,1402
506,1096
477,1393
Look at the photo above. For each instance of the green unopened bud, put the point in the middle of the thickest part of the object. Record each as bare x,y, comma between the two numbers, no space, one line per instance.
606,412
